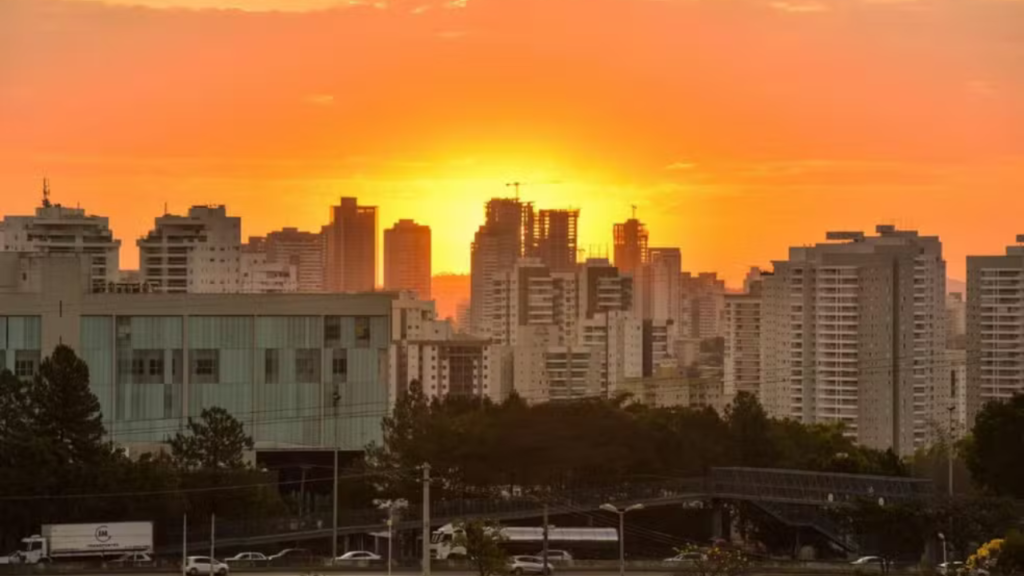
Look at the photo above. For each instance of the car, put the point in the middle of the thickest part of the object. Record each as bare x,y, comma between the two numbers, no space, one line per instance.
685,557
134,559
197,565
291,556
950,568
357,556
247,558
562,557
529,565
865,560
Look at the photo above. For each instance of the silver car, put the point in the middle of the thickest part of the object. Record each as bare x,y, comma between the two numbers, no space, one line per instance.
529,565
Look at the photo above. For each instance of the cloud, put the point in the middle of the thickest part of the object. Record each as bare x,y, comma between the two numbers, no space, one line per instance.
680,166
244,5
799,6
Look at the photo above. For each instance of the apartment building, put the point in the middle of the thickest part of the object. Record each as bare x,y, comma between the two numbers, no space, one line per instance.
303,250
702,301
350,248
199,253
407,259
506,236
742,359
995,327
853,331
57,229
557,238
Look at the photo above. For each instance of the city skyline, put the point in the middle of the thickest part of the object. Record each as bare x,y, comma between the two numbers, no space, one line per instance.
830,115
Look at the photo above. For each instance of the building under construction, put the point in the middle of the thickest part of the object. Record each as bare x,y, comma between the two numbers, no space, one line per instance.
631,246
557,239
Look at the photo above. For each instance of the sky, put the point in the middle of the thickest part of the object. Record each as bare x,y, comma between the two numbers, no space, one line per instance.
738,128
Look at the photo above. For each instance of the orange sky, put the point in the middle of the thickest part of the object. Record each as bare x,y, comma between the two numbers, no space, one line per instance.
739,127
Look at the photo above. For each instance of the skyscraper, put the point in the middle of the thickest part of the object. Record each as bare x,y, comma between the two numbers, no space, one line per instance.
557,243
995,327
304,250
407,258
506,235
350,248
630,240
853,331
742,359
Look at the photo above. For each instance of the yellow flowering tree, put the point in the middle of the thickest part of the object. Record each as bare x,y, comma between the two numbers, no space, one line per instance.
987,556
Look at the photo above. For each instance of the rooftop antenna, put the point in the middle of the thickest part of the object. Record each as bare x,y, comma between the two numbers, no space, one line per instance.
515,185
46,193
633,206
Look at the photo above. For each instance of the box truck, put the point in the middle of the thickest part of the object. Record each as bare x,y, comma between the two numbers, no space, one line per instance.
100,541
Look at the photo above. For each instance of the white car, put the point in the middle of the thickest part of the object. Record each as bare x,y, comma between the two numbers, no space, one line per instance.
562,557
134,559
529,565
197,565
247,558
864,560
951,568
356,556
685,557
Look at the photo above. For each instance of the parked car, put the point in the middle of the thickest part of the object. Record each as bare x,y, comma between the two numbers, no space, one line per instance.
685,557
869,563
291,556
560,557
134,559
356,556
247,559
519,565
951,568
197,565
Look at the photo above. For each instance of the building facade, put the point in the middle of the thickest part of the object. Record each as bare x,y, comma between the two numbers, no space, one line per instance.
350,248
56,229
742,359
853,331
407,259
995,327
506,236
275,361
630,240
304,251
199,253
558,239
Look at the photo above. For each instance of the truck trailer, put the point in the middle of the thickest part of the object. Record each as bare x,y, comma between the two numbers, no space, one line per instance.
101,541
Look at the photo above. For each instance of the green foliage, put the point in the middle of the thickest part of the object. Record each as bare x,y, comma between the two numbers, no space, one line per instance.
895,530
479,448
217,441
482,541
65,414
715,561
993,452
1011,555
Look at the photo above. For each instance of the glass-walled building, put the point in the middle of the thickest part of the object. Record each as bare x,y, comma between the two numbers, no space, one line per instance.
302,371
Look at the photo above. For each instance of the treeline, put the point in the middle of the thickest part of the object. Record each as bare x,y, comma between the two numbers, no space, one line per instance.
57,467
479,447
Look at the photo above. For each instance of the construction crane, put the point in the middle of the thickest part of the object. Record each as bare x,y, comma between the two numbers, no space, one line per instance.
515,185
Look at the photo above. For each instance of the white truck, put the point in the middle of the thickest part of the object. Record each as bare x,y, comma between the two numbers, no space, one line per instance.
96,541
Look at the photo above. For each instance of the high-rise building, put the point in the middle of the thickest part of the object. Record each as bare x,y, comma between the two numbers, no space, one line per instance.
530,294
853,331
557,241
658,287
56,229
995,327
956,320
198,253
702,299
303,250
350,248
630,241
506,236
407,259
602,288
742,359
258,275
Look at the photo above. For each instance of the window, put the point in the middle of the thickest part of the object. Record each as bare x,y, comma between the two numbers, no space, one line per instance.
205,366
138,367
156,366
271,366
362,331
307,364
24,368
339,365
332,330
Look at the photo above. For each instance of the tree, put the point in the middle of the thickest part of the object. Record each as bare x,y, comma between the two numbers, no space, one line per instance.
715,561
482,541
994,448
895,530
216,442
65,414
750,432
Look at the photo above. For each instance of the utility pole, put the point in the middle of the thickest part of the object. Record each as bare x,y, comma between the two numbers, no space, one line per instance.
426,519
544,549
213,541
334,500
184,542
949,459
391,534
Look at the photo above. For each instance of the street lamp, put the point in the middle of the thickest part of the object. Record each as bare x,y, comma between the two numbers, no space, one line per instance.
945,560
622,531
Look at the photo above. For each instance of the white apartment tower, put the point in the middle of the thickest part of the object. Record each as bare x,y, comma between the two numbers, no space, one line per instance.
853,331
56,229
742,370
197,253
995,327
